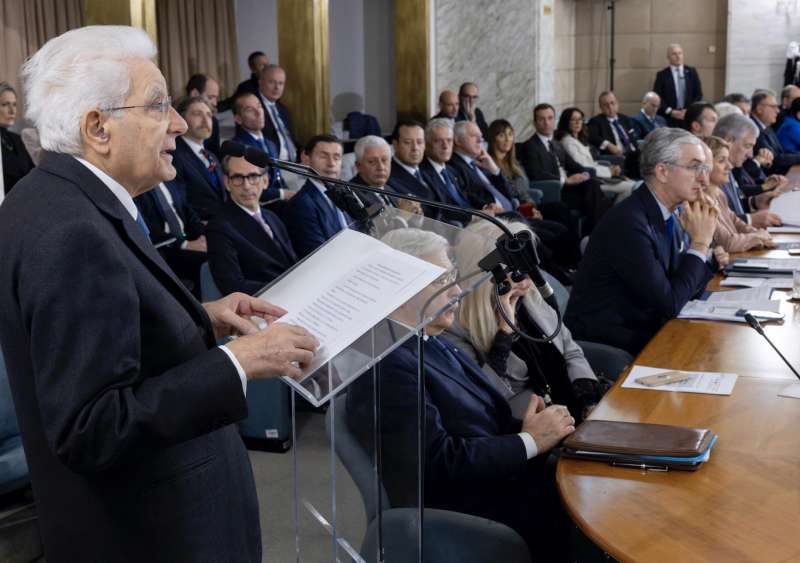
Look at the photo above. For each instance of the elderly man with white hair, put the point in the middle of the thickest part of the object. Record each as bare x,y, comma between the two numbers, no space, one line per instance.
125,403
639,270
678,86
648,119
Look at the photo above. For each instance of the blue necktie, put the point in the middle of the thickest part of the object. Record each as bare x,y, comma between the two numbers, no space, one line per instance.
452,191
142,225
623,137
504,202
732,191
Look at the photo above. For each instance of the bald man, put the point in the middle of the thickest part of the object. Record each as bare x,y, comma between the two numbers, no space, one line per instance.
448,105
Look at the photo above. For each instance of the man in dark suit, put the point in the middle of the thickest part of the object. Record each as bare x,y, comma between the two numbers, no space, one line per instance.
125,403
543,158
647,118
256,61
614,134
636,273
277,127
408,140
248,113
198,169
468,109
248,246
678,86
207,87
479,459
438,174
310,216
169,217
448,105
764,111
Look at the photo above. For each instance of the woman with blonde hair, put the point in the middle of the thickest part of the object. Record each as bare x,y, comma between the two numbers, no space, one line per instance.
731,233
557,371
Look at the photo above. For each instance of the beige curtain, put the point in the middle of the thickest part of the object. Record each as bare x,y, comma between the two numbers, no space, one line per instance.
26,25
197,36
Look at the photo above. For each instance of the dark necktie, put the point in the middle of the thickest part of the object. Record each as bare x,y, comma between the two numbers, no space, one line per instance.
211,168
168,214
623,137
452,191
142,225
504,202
735,196
669,233
557,163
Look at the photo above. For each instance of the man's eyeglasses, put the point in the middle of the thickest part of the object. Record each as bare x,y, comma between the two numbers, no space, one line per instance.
237,180
696,169
160,109
447,278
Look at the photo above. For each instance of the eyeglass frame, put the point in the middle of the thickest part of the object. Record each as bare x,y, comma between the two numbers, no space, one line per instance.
164,106
238,180
697,169
446,278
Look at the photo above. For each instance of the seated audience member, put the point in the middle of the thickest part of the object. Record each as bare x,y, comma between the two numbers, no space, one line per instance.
168,215
731,233
647,117
256,61
198,170
557,370
726,108
479,459
408,140
311,217
789,94
16,160
764,111
277,126
614,134
502,150
438,174
789,131
637,273
477,174
544,158
208,88
248,113
248,246
468,109
752,206
700,119
740,101
572,135
448,105
374,165
678,86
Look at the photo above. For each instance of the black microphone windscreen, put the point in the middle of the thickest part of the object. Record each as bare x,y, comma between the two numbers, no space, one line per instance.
256,157
753,322
231,148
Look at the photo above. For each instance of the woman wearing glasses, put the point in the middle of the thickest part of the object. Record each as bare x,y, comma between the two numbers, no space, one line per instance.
575,139
16,160
557,371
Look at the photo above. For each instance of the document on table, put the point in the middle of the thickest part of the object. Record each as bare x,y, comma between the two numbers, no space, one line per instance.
762,293
774,283
784,229
767,264
787,207
703,310
710,383
345,289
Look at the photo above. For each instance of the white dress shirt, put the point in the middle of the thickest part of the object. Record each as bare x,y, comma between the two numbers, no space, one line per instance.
197,149
127,202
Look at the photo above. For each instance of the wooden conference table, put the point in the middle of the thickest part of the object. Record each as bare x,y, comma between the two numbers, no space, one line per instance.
744,504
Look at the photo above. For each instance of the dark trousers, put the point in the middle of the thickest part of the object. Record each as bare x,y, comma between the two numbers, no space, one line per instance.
588,198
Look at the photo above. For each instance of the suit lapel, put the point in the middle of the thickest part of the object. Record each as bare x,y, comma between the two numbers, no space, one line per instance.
656,221
473,381
328,216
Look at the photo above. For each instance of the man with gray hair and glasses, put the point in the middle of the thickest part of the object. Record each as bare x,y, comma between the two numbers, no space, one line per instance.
639,269
648,119
126,404
745,197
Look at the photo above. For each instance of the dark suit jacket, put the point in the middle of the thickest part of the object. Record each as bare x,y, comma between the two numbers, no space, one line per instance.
241,255
124,402
468,183
480,121
434,180
474,461
768,139
644,126
16,160
154,219
600,130
212,143
195,180
275,180
664,86
539,164
626,288
310,220
402,182
269,131
250,85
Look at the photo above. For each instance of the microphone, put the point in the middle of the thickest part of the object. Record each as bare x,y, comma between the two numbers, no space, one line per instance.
753,322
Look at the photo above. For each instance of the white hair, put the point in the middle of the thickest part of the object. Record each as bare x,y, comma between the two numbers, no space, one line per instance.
735,127
460,129
672,46
437,123
663,146
77,71
370,141
648,96
727,108
416,242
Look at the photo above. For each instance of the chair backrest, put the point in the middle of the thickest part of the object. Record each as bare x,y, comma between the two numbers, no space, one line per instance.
208,288
8,416
354,458
561,292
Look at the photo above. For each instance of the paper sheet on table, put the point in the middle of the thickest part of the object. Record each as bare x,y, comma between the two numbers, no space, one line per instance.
787,207
761,293
338,294
785,229
761,264
710,383
704,310
774,283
